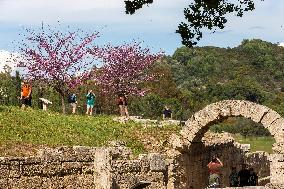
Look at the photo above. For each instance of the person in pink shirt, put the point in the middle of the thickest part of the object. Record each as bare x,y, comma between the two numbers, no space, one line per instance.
214,167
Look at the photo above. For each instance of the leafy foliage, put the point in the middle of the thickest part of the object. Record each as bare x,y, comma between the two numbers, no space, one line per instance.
125,68
132,6
152,106
198,76
200,14
242,126
9,87
211,74
209,14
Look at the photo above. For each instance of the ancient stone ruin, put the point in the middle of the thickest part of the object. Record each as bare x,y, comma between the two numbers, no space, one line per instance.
200,122
115,167
182,167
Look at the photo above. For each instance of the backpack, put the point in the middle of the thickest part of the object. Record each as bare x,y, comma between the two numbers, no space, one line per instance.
71,98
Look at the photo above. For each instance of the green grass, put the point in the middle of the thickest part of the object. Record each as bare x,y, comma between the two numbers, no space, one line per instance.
27,130
22,132
257,143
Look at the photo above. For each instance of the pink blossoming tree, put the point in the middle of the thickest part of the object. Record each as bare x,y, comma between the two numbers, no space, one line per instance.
124,68
58,59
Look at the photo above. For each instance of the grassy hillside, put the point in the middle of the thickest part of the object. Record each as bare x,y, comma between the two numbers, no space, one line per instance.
24,131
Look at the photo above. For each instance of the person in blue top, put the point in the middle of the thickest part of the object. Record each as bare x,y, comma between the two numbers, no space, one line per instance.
72,100
90,102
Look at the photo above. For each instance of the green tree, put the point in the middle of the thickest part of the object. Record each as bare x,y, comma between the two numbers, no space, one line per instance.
200,14
10,87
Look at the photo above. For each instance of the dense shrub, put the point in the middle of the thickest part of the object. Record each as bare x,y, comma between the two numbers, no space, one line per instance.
241,126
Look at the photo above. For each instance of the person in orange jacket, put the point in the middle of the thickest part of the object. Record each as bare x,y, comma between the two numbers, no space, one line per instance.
26,94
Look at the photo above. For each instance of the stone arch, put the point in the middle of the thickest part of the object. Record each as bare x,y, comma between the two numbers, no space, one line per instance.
199,124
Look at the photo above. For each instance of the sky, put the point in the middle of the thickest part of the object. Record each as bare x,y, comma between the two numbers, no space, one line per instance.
154,25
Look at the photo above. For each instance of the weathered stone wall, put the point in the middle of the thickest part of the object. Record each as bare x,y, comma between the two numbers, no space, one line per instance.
83,167
191,169
149,169
277,168
115,168
200,122
53,168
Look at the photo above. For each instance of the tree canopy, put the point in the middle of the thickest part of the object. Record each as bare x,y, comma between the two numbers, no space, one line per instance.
124,68
200,14
59,59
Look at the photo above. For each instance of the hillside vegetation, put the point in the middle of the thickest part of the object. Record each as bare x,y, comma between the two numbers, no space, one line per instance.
252,71
195,77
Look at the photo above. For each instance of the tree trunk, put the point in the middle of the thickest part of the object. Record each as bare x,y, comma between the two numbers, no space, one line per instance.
63,103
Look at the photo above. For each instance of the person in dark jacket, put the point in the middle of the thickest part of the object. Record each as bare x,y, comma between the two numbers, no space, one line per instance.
253,178
244,176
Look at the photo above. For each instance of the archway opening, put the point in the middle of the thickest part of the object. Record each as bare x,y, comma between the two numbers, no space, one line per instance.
246,131
255,143
195,154
232,148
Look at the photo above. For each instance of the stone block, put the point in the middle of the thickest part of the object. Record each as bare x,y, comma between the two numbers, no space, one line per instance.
84,154
66,153
4,171
144,162
276,128
120,152
31,160
269,118
87,168
14,168
69,168
102,169
126,166
52,169
31,170
277,176
245,147
26,182
278,148
207,115
157,162
86,181
276,157
236,107
71,182
192,127
4,161
52,182
50,155
3,182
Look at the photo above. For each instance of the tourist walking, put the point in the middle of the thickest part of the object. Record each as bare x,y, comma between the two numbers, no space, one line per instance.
26,94
122,104
72,100
90,102
214,167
